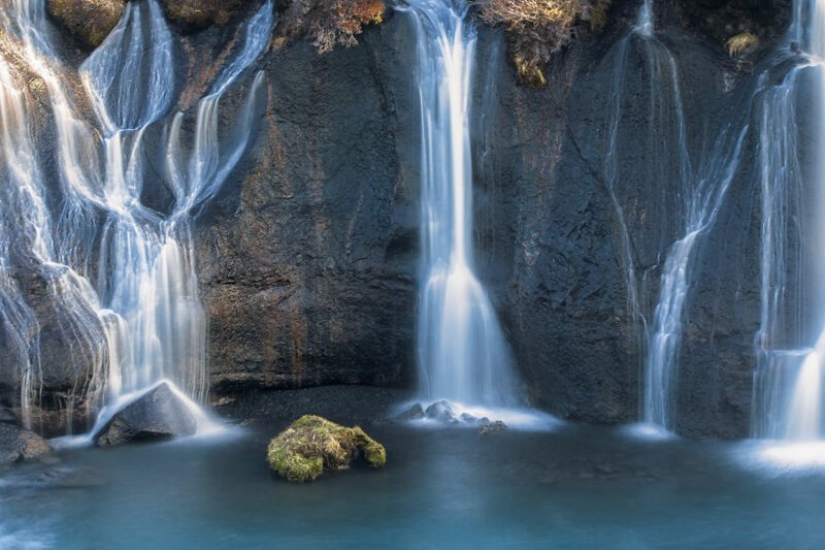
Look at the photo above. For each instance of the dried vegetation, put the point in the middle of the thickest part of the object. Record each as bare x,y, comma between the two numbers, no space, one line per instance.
537,29
328,22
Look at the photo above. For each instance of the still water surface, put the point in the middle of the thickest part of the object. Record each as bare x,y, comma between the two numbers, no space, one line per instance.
573,487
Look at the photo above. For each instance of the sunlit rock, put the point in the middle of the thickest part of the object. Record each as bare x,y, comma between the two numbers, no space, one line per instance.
90,21
18,444
194,15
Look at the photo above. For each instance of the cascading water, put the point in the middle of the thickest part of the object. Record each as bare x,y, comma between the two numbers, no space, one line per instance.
463,356
141,319
701,191
26,217
790,344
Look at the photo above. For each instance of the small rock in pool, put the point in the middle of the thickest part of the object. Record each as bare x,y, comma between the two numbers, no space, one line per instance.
441,411
492,428
416,412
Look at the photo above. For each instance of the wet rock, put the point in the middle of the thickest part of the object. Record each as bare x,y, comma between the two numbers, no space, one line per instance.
440,411
6,416
18,444
90,21
416,412
494,427
158,414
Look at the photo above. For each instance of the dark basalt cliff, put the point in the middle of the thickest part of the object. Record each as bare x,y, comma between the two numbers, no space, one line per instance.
309,266
308,262
308,256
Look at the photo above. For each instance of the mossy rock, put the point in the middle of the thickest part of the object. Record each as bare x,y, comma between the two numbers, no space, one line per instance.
313,444
90,21
195,15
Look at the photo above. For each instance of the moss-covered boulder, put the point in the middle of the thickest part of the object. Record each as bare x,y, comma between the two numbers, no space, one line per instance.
90,21
313,444
195,15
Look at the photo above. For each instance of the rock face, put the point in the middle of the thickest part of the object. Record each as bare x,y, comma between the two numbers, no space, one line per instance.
318,242
308,260
308,256
90,21
195,15
157,414
17,444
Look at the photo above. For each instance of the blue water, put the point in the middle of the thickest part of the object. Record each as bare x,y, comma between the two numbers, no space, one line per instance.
575,487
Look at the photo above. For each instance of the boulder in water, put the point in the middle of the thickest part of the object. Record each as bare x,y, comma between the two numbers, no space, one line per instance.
441,411
313,444
157,414
494,427
90,21
415,412
18,444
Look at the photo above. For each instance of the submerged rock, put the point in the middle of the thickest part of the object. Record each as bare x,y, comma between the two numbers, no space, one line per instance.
492,428
416,412
313,444
157,414
90,21
18,444
441,411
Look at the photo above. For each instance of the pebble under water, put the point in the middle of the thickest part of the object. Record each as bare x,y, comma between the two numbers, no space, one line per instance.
572,487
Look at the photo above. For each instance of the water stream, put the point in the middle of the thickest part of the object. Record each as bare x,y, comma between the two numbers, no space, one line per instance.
463,355
790,344
124,280
699,183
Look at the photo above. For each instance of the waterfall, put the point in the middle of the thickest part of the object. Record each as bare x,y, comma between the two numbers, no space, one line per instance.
790,344
26,218
123,273
699,187
463,356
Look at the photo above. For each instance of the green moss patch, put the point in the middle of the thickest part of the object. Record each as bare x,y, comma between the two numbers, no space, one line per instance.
313,444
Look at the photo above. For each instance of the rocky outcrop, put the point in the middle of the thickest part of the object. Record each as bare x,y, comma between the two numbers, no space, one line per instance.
308,259
18,444
196,15
88,21
157,414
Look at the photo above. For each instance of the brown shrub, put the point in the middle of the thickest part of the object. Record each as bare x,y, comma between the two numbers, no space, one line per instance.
537,29
328,22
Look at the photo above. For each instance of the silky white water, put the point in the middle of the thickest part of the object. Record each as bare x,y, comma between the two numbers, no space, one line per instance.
790,344
121,274
463,356
699,182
